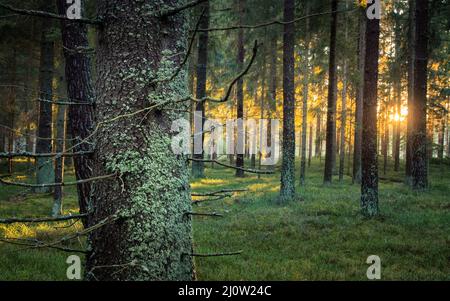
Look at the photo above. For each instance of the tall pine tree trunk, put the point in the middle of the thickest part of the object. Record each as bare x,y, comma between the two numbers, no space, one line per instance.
79,89
198,168
419,169
369,184
148,205
287,189
359,99
330,154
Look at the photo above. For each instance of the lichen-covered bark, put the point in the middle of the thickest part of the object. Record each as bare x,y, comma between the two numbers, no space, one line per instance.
152,240
80,90
44,166
419,169
287,189
330,155
369,184
202,63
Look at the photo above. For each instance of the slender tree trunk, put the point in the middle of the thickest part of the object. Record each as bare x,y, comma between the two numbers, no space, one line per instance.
343,110
44,166
419,171
262,105
441,139
359,99
369,185
287,189
411,64
310,146
59,161
272,92
448,127
198,168
318,150
80,90
397,132
12,107
305,101
330,155
386,137
150,198
240,94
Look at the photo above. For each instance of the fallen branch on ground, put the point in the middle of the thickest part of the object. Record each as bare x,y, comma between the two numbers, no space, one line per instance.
204,214
213,254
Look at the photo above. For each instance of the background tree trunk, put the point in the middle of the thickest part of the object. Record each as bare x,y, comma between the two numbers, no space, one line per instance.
359,99
198,168
152,240
306,69
369,184
80,90
44,166
419,170
59,161
240,149
411,78
287,189
330,154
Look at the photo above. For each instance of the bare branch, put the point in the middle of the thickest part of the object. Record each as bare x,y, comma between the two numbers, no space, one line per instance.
215,193
255,171
175,10
41,219
215,198
43,14
20,184
233,82
274,22
38,244
43,155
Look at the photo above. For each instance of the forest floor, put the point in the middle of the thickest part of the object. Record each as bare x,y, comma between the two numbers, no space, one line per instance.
319,236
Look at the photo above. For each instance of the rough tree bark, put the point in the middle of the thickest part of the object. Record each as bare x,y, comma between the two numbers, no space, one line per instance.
419,170
80,90
152,238
359,99
287,189
198,167
44,166
330,154
369,183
